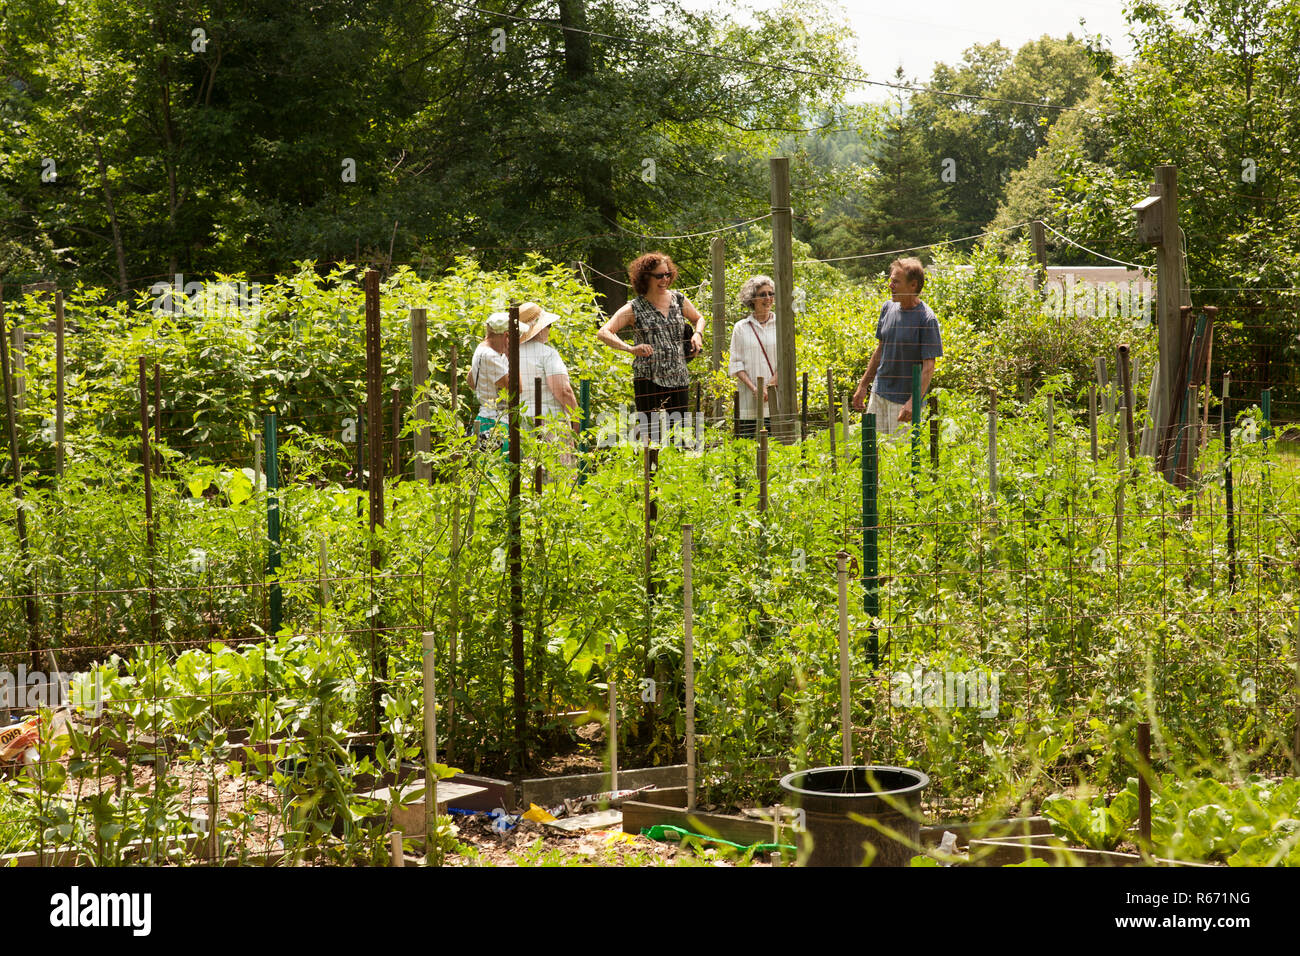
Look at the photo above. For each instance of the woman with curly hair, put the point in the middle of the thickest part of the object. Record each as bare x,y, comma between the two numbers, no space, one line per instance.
656,315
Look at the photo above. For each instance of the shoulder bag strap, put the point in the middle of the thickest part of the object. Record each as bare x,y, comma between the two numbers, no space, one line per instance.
759,339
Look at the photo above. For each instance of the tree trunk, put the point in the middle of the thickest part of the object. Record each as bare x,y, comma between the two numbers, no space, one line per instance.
596,183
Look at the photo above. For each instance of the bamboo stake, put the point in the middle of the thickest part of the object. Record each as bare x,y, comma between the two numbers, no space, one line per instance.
846,725
395,844
688,599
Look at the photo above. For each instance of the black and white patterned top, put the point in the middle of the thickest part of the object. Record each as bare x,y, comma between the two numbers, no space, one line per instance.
663,333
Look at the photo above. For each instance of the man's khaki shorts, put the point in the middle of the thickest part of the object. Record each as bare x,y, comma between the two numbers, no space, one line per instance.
886,413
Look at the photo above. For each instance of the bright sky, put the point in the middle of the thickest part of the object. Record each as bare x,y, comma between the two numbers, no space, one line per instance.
918,35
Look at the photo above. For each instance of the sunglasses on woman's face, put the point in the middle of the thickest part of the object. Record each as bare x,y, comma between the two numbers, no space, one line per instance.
764,295
662,275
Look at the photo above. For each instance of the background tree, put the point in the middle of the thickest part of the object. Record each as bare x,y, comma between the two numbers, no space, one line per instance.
466,131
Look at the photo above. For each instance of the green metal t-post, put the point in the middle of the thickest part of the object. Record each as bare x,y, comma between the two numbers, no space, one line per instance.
584,400
870,554
269,443
916,421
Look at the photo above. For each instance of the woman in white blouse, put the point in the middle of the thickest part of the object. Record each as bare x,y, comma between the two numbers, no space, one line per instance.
753,353
489,371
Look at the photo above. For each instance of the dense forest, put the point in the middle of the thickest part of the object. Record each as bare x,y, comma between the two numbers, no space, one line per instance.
152,137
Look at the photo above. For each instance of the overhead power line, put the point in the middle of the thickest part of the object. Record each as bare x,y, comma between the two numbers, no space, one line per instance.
766,64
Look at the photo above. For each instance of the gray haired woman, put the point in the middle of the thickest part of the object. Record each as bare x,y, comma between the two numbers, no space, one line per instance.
753,352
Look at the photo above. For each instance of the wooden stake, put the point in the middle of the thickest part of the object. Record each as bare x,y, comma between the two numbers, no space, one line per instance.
803,411
29,599
324,575
1121,451
157,416
395,401
846,409
613,717
718,287
1039,237
58,383
688,598
993,447
1092,419
783,263
257,463
20,367
1295,740
830,413
395,843
1126,397
934,431
1051,425
214,822
453,611
514,518
1209,387
375,422
420,383
846,725
430,747
59,438
1144,784
146,464
1225,420
1103,386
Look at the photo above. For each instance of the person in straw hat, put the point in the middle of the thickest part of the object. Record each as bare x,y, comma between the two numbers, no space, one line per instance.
489,371
538,360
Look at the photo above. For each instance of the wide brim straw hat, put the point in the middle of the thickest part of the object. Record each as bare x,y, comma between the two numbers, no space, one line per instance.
537,319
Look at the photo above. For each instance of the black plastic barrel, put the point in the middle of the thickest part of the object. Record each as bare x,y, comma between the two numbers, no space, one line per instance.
889,796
